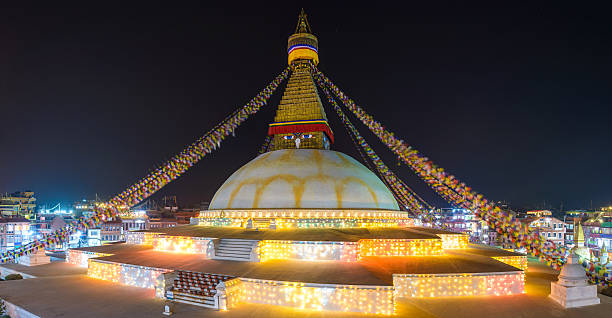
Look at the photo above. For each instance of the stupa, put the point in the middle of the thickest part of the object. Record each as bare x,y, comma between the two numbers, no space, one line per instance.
304,226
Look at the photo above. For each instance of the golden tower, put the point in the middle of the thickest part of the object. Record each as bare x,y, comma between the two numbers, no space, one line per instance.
300,120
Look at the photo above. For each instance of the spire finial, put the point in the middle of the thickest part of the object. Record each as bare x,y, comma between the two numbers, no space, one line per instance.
302,25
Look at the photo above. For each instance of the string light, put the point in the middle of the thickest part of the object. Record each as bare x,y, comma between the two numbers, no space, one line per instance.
453,285
296,218
346,298
125,274
307,250
519,261
80,258
141,238
181,244
408,247
454,241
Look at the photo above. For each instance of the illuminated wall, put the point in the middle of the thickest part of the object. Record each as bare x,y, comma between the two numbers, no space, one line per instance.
183,244
126,274
140,238
519,262
304,223
453,241
311,218
347,251
233,292
347,298
451,285
307,250
407,247
303,214
79,258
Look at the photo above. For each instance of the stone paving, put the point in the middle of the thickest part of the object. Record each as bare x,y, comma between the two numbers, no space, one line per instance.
75,295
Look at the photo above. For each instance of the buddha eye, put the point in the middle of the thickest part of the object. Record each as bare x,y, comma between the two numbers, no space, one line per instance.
288,137
307,136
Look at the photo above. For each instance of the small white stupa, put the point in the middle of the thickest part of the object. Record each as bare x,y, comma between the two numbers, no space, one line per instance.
572,289
36,258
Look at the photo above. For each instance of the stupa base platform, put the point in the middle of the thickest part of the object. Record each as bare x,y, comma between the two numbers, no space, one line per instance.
319,285
69,294
347,269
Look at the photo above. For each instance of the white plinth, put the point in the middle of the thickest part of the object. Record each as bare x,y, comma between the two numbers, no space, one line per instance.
38,258
576,296
573,289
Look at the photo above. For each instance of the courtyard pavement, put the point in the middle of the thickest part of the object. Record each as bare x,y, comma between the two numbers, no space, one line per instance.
71,294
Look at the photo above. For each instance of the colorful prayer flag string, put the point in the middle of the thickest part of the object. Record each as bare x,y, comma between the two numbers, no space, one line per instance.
160,177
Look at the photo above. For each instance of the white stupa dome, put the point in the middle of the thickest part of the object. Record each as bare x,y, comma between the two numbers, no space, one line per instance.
303,179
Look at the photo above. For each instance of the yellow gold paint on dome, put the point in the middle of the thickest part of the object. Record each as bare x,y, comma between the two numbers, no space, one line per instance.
303,179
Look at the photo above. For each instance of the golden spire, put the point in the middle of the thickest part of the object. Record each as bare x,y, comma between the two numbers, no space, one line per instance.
579,235
302,25
300,120
303,45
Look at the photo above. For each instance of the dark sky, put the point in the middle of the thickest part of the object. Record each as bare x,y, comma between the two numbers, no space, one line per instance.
513,100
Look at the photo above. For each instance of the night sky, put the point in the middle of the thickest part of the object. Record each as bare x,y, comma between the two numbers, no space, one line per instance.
514,101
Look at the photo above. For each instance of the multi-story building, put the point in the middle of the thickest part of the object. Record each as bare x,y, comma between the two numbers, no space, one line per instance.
94,237
464,221
538,213
14,232
459,220
111,231
548,227
17,204
159,223
135,222
598,230
85,207
184,216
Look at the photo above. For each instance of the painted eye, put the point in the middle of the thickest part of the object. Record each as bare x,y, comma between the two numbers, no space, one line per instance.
307,136
288,137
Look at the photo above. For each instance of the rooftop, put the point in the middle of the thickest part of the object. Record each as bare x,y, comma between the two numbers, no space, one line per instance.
14,220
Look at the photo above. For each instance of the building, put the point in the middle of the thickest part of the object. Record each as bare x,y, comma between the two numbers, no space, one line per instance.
184,216
135,221
111,231
160,223
538,213
548,227
18,204
14,232
84,207
598,230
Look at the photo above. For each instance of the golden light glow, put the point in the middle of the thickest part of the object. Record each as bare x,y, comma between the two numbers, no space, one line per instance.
519,262
347,251
307,250
415,247
347,298
180,244
140,238
304,213
125,274
80,258
454,241
286,223
305,218
452,285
